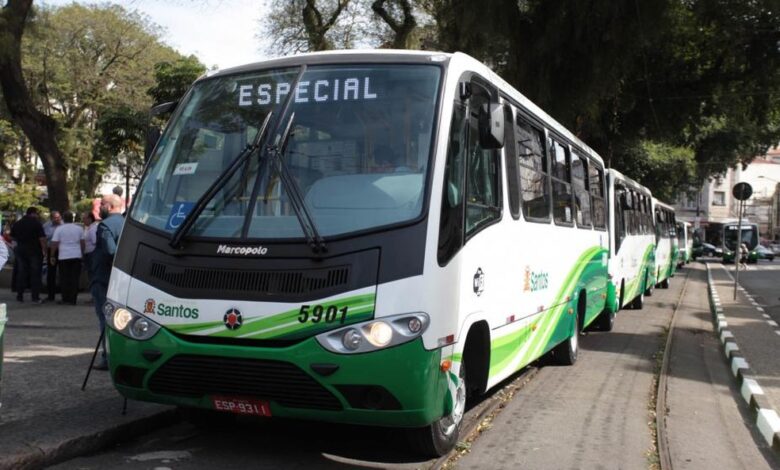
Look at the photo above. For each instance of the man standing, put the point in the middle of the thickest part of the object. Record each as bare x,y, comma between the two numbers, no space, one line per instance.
90,239
68,242
51,272
108,232
30,240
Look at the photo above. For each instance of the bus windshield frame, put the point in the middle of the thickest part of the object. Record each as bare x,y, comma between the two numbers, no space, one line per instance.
359,145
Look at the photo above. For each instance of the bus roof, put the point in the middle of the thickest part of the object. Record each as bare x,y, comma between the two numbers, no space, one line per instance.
629,182
656,202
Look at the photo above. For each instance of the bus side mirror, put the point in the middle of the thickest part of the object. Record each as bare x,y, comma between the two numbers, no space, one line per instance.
491,126
163,108
152,131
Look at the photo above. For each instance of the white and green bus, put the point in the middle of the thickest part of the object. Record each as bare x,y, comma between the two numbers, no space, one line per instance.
356,237
730,232
684,243
632,244
665,243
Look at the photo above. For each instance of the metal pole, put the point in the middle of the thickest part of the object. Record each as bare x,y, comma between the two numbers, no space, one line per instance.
738,251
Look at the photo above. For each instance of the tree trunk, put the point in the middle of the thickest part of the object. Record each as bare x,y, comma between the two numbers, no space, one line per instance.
39,128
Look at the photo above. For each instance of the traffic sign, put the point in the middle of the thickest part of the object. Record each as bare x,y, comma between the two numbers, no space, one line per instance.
742,191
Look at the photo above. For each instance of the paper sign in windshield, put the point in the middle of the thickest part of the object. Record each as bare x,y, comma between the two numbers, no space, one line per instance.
179,212
308,91
185,168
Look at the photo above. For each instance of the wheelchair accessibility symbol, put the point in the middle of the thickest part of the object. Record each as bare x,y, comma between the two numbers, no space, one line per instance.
179,212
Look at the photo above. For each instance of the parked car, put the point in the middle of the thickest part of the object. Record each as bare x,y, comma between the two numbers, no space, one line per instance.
705,249
775,247
765,253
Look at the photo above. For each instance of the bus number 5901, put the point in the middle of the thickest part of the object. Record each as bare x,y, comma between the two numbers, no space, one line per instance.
318,313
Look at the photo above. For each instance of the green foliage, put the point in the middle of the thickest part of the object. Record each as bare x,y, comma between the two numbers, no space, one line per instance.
82,206
697,74
172,79
82,62
649,163
19,197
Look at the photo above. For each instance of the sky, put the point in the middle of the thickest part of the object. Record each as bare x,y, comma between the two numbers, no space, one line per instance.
220,33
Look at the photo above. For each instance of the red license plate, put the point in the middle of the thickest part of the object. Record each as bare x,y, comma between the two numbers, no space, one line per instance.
241,406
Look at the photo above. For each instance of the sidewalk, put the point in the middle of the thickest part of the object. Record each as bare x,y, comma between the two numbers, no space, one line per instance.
45,417
751,341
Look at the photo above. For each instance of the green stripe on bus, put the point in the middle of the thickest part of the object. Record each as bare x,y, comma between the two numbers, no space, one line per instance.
286,324
531,341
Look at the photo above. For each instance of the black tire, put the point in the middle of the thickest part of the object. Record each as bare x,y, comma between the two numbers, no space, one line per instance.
440,437
649,286
566,353
638,302
664,284
605,320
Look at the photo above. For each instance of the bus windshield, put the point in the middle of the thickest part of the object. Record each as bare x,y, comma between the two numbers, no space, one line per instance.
358,149
749,237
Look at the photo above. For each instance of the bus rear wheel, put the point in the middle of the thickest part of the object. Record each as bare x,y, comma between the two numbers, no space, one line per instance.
638,302
440,437
664,284
649,285
566,353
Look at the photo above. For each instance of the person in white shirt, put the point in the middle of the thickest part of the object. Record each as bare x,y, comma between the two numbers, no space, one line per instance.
68,241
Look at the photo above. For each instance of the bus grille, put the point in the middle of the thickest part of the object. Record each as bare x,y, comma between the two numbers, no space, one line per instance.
271,282
282,382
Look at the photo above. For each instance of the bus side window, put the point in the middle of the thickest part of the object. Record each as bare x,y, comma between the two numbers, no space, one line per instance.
451,220
483,183
579,180
561,184
620,216
598,207
532,166
512,172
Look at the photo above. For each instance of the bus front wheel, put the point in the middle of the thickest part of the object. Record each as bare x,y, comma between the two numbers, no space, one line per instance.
440,437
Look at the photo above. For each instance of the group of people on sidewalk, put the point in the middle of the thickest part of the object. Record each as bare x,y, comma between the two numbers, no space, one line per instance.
65,246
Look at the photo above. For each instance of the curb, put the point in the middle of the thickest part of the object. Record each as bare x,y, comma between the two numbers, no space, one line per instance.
51,453
767,420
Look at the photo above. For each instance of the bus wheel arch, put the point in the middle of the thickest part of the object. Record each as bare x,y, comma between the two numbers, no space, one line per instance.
477,351
582,309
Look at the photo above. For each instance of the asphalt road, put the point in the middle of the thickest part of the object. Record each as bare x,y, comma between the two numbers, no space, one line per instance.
762,280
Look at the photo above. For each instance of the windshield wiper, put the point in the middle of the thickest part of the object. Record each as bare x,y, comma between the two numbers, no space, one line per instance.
218,184
309,227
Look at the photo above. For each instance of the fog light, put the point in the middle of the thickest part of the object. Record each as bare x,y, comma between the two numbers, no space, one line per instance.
121,318
414,325
379,334
352,339
140,328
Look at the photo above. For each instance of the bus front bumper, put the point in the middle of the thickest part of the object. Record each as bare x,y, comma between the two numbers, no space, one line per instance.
399,386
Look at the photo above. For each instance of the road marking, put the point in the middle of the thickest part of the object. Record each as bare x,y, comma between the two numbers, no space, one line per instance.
773,323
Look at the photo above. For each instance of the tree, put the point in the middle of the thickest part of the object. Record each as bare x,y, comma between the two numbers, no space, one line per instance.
400,19
698,76
309,25
173,79
37,126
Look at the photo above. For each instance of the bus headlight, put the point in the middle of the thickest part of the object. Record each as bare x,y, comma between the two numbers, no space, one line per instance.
121,318
375,334
130,324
